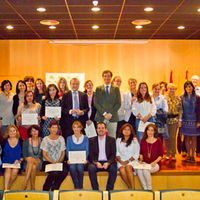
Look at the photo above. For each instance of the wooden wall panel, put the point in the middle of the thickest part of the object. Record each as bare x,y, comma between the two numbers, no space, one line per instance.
149,62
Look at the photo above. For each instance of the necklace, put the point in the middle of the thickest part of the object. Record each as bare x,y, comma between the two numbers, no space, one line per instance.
149,150
38,149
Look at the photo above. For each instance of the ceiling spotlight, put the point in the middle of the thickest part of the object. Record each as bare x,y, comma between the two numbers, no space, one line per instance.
181,27
41,9
95,3
9,27
148,9
52,27
95,9
138,26
95,27
198,10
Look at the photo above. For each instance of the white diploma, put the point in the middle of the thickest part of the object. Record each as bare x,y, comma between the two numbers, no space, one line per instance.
90,130
8,165
77,157
143,125
29,119
54,167
142,166
52,112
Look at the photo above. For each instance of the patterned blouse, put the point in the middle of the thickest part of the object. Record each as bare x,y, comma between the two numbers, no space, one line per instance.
175,108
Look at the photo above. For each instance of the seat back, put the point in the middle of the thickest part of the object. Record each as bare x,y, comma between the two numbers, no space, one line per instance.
131,195
80,195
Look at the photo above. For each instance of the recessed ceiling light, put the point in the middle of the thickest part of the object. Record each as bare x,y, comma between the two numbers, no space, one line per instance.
95,9
41,9
141,22
52,27
95,3
138,26
180,27
198,10
95,27
148,9
9,27
49,22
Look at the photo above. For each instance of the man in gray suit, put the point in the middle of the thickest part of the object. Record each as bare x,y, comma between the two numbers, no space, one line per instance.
107,101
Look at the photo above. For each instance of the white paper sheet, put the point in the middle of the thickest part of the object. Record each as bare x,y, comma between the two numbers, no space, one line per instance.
53,111
90,130
142,166
54,167
143,125
77,157
8,165
29,119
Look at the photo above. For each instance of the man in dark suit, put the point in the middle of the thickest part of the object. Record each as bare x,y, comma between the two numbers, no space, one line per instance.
107,101
74,107
102,153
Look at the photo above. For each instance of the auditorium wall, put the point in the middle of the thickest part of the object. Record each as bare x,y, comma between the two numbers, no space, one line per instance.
151,62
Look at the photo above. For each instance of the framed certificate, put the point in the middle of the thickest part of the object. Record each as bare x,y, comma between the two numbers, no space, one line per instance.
52,112
8,165
142,166
77,157
54,167
29,119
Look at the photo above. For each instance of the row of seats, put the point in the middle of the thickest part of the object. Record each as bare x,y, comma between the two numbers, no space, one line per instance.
102,195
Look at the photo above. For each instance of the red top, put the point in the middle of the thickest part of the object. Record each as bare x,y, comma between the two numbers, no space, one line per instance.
153,150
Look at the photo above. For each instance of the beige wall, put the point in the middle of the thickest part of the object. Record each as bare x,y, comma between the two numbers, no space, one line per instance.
149,62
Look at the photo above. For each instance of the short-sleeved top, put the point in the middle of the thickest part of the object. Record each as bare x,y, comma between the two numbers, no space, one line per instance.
53,148
155,150
6,104
11,154
126,152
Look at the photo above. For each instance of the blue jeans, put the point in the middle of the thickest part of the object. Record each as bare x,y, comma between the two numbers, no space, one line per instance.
138,133
112,170
77,171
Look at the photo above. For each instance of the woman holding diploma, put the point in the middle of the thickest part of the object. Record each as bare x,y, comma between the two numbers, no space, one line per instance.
53,150
11,155
127,154
28,107
51,100
143,108
32,155
151,152
77,142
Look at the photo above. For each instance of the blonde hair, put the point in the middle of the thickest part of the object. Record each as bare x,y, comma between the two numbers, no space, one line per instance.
171,85
8,130
78,123
66,85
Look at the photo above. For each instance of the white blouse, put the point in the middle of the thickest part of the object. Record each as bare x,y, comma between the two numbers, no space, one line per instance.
144,108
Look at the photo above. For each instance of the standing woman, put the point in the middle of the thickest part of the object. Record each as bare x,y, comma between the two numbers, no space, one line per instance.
40,90
53,151
77,142
127,154
151,152
32,155
52,100
29,106
11,154
90,93
29,80
18,99
189,120
163,87
6,104
129,97
143,108
62,87
173,120
117,83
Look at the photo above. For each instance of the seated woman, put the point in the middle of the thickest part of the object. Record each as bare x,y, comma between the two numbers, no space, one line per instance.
77,142
151,152
53,150
32,155
11,154
127,154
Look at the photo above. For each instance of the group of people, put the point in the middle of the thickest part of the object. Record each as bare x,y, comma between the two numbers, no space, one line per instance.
131,128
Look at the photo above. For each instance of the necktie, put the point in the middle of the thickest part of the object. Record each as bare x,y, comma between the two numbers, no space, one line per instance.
76,104
107,92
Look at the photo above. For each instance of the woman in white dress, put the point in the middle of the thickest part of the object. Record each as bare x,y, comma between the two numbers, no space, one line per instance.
127,154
